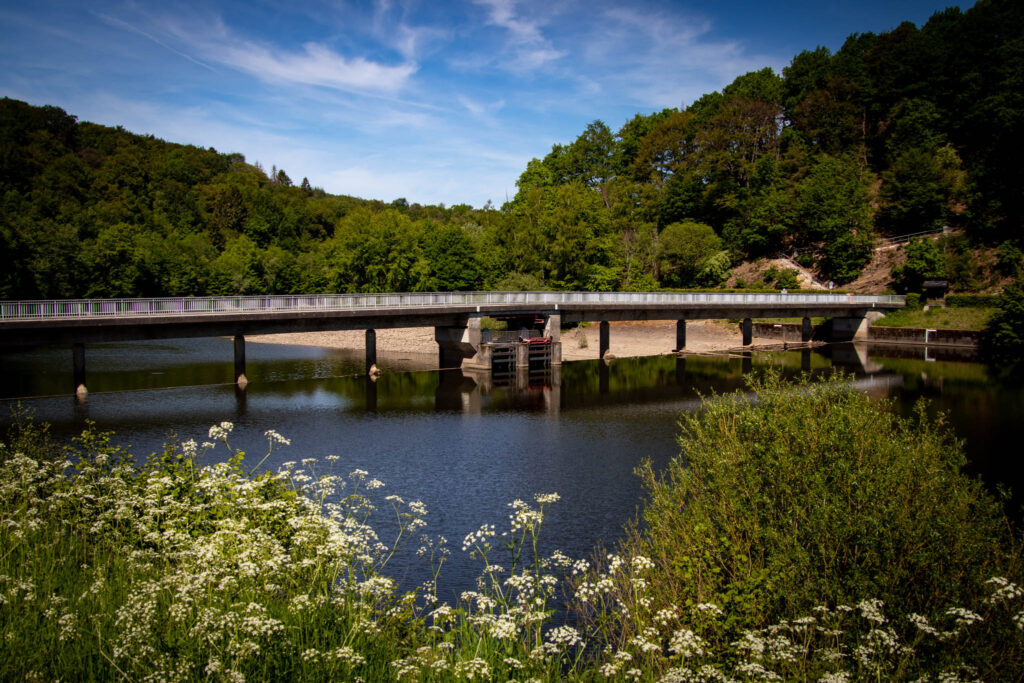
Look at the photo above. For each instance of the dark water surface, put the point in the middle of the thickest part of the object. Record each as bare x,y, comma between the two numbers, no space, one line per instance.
467,445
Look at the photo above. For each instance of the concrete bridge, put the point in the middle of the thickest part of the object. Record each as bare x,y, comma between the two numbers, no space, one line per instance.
455,316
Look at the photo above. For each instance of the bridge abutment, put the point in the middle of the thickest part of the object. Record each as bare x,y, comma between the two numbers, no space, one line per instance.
458,346
853,329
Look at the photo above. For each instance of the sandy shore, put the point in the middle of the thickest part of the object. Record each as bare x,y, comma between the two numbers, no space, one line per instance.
627,339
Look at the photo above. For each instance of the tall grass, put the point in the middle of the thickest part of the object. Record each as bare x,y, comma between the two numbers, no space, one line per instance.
171,570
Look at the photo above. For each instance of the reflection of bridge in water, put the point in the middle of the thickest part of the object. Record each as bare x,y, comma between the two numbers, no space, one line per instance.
611,383
455,316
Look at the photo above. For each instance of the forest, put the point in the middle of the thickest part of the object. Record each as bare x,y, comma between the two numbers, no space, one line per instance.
895,133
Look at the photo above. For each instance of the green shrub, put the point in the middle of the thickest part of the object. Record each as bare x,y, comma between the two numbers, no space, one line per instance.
972,300
787,279
814,494
913,302
1009,260
1002,339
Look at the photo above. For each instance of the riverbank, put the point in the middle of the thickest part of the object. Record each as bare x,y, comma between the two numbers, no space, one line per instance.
627,339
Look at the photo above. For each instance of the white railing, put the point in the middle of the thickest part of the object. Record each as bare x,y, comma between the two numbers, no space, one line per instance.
240,305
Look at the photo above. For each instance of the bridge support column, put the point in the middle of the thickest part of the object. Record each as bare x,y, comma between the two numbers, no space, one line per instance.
748,331
371,351
78,369
805,330
853,329
240,378
680,335
553,329
458,346
605,339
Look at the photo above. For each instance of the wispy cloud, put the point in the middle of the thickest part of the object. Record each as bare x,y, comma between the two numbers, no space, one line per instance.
527,44
315,65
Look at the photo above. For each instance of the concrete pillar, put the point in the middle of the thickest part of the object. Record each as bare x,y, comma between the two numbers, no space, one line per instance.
805,330
605,339
853,329
78,369
522,356
748,331
371,351
240,378
553,329
680,335
458,346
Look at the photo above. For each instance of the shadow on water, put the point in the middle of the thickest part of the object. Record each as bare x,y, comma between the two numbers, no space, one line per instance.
466,443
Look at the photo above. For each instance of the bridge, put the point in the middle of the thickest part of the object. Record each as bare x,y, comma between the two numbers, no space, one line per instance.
455,316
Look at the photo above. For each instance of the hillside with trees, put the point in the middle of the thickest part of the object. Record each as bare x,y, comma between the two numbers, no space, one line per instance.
895,133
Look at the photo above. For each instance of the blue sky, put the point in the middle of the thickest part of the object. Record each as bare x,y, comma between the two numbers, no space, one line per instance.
434,101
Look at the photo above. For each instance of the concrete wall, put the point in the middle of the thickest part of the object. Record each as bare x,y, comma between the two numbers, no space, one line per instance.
912,335
790,332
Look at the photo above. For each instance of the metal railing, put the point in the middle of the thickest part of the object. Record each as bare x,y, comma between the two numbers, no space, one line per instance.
903,239
241,305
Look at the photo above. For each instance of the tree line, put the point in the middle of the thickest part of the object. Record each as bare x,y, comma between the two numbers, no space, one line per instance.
894,133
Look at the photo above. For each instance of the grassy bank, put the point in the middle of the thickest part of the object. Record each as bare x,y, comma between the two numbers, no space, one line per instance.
937,318
804,535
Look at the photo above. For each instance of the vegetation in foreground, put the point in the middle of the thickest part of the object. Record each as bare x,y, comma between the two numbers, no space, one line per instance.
803,533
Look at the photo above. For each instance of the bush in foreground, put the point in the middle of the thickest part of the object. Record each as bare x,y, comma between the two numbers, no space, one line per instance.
794,506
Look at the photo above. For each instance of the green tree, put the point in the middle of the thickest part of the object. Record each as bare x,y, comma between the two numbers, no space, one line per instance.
451,260
1002,340
925,261
683,251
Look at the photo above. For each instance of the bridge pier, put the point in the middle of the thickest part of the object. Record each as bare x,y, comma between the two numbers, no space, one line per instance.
680,335
78,369
458,345
748,331
853,329
240,378
605,340
805,330
371,351
553,329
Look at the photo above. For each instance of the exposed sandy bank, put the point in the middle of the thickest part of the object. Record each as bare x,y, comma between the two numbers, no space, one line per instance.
627,339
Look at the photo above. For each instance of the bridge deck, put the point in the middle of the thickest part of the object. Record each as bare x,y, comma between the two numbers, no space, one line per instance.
26,323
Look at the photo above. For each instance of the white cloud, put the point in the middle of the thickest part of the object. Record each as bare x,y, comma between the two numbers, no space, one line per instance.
529,48
316,65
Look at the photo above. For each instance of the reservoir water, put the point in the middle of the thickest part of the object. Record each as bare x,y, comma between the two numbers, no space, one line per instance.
467,445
